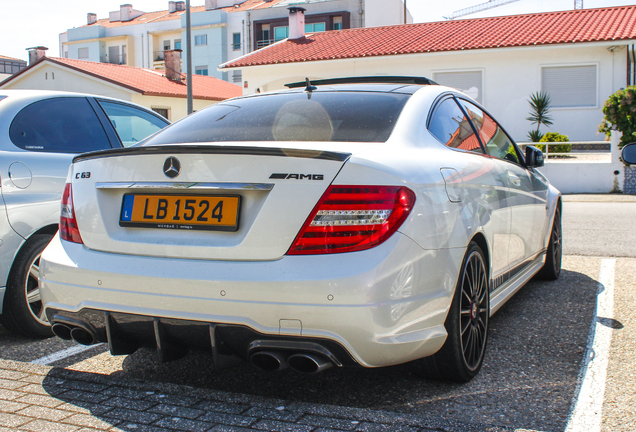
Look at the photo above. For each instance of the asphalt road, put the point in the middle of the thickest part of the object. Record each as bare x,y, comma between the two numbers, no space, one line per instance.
530,375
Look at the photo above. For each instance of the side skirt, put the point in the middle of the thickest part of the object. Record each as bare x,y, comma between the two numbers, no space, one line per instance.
499,297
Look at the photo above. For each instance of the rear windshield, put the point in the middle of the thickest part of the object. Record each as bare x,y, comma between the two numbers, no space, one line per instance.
318,116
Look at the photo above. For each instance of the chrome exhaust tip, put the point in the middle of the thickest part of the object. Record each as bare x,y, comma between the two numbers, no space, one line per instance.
82,336
269,361
62,331
308,363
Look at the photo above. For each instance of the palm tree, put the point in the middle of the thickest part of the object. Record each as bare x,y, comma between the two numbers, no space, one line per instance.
539,110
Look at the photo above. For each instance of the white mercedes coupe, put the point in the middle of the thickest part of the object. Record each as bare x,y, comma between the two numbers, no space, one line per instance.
367,221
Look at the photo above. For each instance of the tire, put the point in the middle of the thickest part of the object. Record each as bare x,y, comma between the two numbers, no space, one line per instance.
462,355
552,267
22,311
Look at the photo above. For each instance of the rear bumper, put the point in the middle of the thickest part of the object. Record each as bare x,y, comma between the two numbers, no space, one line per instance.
383,306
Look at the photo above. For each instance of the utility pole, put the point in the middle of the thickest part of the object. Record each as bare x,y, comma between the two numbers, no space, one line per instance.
189,57
404,11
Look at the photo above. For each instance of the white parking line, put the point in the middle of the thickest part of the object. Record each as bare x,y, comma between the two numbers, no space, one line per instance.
587,413
52,358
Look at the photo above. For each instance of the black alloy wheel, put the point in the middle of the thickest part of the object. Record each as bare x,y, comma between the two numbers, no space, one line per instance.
462,355
552,267
23,312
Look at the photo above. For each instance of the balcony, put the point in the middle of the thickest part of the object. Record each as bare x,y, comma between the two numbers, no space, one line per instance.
263,43
114,59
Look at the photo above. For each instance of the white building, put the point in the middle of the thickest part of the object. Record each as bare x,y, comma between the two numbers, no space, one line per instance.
222,30
578,57
10,66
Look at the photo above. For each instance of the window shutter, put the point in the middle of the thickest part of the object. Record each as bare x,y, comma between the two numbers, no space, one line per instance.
466,82
570,86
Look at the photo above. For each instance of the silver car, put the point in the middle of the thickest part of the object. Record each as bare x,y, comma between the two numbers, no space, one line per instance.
40,133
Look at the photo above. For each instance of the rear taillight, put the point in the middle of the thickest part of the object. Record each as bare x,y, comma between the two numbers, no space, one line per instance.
68,223
353,218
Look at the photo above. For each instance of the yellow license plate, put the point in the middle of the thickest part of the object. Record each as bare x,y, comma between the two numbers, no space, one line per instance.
199,212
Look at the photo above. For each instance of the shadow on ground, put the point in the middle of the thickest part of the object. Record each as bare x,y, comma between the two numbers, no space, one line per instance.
537,342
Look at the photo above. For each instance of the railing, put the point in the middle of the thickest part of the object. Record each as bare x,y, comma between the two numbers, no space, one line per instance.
160,55
573,151
263,43
114,59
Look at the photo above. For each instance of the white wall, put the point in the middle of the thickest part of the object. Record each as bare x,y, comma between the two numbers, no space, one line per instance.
588,177
510,76
385,12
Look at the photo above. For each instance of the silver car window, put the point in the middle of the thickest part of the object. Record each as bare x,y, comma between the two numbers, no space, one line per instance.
59,125
132,124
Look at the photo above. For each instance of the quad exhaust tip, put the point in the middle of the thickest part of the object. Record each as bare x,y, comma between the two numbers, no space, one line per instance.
71,332
82,336
308,363
269,361
62,331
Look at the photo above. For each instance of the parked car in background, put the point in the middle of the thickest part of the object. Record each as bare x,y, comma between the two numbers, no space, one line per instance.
40,133
349,222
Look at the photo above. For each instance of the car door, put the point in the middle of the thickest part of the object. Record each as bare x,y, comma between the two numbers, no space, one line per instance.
527,192
482,181
47,134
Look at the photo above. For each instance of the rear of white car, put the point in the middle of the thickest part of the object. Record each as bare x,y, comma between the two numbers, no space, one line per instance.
312,228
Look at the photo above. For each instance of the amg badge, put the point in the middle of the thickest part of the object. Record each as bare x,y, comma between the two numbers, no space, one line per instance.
297,176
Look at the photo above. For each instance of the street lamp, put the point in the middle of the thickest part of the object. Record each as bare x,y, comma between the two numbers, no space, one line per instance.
189,57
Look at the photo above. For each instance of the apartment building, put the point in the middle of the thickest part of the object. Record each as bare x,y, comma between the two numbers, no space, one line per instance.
10,66
222,30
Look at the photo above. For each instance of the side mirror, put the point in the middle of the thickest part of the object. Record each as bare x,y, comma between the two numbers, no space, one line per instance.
534,157
629,154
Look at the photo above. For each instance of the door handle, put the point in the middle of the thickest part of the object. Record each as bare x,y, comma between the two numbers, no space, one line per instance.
514,179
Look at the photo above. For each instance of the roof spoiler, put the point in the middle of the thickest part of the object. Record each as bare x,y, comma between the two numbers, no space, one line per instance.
366,80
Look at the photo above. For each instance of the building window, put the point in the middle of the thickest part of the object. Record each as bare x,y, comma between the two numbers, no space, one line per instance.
201,70
281,33
82,53
166,45
177,44
237,76
123,55
337,23
315,27
201,40
236,41
11,67
570,86
266,32
468,82
164,112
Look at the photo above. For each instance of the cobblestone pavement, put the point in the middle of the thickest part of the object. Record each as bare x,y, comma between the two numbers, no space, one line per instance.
40,399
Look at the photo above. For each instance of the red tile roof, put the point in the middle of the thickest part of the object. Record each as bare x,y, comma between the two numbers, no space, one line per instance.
146,81
167,16
11,58
586,25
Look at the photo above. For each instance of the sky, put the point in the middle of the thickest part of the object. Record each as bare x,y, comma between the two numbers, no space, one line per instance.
39,22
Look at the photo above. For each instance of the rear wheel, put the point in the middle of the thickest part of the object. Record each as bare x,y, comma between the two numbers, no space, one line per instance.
23,312
552,267
462,355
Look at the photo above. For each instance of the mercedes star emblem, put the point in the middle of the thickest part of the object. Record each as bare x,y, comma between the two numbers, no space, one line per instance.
171,167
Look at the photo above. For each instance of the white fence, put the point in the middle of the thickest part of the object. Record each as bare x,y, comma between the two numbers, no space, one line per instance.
584,170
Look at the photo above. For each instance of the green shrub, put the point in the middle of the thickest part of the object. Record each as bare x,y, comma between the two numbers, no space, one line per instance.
539,114
620,114
555,137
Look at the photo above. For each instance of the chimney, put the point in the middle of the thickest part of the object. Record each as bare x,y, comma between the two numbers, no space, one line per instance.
36,53
91,18
180,5
173,64
125,12
172,6
296,22
210,4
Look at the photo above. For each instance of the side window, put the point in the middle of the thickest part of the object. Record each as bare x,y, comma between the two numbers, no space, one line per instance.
497,143
132,124
452,128
59,125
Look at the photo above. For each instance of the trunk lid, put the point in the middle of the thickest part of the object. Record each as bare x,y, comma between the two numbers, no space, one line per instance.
277,189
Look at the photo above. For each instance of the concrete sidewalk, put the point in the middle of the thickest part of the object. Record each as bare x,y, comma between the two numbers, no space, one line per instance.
599,198
41,399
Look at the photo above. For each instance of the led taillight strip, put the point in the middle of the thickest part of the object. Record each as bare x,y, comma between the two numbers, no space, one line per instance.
353,218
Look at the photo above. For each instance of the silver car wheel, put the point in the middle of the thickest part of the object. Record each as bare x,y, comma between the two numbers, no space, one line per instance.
473,315
32,291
